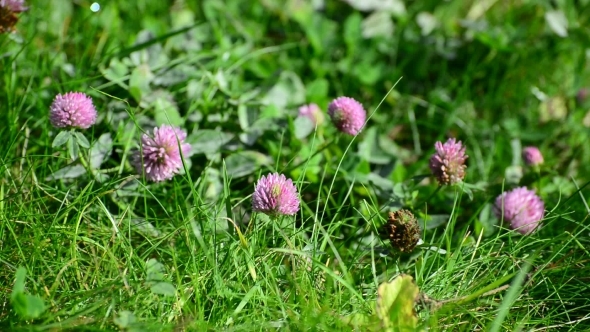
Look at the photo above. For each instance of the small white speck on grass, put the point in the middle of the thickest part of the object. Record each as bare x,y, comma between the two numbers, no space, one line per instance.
95,7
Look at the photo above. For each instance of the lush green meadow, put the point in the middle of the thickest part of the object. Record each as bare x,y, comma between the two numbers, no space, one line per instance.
91,245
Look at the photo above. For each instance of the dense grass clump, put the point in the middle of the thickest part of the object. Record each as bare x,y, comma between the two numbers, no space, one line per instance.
294,165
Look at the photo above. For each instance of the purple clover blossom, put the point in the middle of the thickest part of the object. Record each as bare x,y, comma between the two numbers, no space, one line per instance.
313,112
72,110
160,156
532,156
448,163
274,195
347,114
520,207
15,6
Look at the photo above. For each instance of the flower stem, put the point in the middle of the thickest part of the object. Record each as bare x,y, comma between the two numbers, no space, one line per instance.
430,197
87,166
322,148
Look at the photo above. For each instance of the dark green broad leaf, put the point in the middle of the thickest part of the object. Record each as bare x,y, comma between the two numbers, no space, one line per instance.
303,126
378,24
370,149
81,140
367,71
352,31
557,21
128,322
28,306
154,270
258,128
145,227
155,279
394,7
148,49
288,91
468,188
245,163
317,90
100,150
125,319
380,182
19,281
432,221
73,149
139,82
62,138
166,112
68,172
247,115
117,72
208,141
25,305
163,288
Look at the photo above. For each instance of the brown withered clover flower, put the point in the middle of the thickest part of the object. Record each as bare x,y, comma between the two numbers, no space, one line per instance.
9,10
402,230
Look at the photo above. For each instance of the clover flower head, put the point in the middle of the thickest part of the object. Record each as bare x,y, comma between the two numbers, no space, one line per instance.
532,156
160,155
402,230
72,110
347,114
15,6
8,13
521,208
313,112
448,163
275,195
